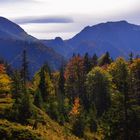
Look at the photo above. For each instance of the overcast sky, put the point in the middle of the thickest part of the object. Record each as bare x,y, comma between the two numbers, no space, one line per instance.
47,19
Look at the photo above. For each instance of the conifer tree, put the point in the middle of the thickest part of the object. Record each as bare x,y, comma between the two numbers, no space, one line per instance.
87,63
131,58
105,59
25,108
22,107
61,81
98,90
42,84
38,101
61,86
16,84
94,60
24,69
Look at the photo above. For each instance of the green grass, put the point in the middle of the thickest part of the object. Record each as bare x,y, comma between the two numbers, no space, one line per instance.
14,131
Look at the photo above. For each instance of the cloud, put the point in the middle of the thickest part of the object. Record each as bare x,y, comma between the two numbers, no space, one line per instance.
44,19
15,1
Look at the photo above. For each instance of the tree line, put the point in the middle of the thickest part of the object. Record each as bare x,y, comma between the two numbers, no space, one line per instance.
99,95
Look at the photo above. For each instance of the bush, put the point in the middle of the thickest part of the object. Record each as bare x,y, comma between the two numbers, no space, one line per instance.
10,131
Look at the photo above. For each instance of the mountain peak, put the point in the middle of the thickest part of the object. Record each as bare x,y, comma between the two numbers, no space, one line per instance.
2,18
118,22
10,28
58,39
5,21
13,39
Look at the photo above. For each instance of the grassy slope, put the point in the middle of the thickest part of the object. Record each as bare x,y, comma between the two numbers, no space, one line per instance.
48,130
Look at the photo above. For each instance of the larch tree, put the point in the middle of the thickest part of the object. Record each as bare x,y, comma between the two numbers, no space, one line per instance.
5,80
75,77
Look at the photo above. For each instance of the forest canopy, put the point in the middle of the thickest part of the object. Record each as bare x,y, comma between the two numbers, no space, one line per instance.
96,98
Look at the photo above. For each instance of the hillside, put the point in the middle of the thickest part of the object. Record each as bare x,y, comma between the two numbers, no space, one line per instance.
119,38
47,129
13,40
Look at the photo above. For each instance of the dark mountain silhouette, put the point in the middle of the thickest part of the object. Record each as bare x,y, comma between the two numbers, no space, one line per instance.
119,38
13,40
59,45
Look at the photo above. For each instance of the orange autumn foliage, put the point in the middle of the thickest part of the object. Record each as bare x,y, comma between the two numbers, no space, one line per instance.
75,68
76,107
75,77
2,68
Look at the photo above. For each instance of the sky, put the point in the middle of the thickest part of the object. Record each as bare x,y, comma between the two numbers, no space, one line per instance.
47,19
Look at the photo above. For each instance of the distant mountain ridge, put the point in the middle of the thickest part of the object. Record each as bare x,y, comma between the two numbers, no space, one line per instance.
10,30
59,45
13,40
119,38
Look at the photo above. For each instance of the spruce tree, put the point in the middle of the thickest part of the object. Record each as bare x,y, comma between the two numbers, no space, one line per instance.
61,82
105,59
131,58
25,109
61,95
24,69
22,108
94,60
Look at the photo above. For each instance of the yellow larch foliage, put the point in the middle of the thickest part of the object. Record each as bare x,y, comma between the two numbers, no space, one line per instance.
50,85
5,80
